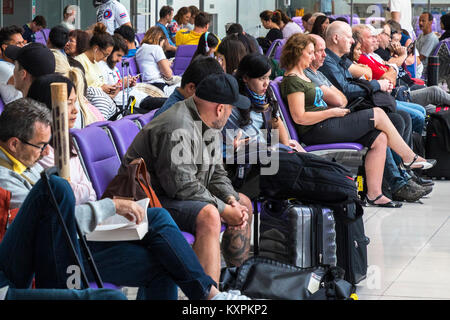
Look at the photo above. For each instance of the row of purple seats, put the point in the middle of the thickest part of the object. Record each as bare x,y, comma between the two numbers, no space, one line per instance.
355,20
42,36
183,57
114,137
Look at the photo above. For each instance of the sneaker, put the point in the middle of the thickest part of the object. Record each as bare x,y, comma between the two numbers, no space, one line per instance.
419,180
230,295
410,192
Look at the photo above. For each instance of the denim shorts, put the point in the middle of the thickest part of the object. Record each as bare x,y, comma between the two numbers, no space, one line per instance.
184,212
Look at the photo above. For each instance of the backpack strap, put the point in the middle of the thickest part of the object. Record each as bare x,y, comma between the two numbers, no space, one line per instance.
7,165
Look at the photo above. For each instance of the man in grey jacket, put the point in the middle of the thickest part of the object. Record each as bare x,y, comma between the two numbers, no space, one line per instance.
182,149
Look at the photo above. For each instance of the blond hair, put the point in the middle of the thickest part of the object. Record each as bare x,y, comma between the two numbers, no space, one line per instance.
154,35
76,75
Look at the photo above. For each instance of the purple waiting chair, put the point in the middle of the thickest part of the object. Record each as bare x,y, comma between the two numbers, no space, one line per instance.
42,36
183,58
293,132
122,133
97,155
146,118
299,21
274,46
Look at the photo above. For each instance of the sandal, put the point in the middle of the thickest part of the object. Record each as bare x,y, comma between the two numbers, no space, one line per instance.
390,204
424,165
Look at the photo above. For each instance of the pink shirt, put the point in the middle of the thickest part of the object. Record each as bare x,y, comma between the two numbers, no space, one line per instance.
81,186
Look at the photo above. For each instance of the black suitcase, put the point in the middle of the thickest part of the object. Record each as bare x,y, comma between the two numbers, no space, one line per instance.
437,144
296,234
351,243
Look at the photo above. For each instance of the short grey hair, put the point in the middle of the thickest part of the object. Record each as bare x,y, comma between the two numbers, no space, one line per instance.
19,117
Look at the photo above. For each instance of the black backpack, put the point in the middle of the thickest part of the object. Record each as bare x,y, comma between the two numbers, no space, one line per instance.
313,180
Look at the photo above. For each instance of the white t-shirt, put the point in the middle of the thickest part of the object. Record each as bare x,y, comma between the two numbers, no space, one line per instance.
404,7
290,29
6,71
112,14
147,57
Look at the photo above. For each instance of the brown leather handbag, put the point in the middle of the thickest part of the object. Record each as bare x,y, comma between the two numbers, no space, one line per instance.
132,182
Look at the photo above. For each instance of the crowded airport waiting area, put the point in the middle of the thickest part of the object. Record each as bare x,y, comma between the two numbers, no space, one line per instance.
224,150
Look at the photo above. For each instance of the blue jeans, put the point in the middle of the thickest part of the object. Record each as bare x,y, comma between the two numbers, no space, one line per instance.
394,176
417,113
155,264
35,245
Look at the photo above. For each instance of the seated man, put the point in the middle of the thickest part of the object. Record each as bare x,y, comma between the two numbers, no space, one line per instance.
186,37
199,69
32,61
130,38
367,36
403,188
183,153
32,27
418,98
9,36
156,263
57,40
113,76
427,40
165,17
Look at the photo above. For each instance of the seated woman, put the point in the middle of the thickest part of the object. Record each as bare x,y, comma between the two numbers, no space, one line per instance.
40,91
243,125
229,53
358,70
207,45
318,124
153,64
320,26
100,47
78,43
287,26
87,113
271,21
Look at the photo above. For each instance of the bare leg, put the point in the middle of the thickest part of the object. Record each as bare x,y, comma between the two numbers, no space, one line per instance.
236,243
374,166
207,244
394,140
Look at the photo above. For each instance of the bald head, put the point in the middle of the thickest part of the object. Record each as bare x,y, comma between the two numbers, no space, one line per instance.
319,52
339,37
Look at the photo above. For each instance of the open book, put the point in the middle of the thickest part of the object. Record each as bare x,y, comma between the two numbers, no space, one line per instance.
118,228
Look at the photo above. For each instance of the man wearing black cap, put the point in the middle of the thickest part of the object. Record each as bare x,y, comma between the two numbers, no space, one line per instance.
32,61
182,149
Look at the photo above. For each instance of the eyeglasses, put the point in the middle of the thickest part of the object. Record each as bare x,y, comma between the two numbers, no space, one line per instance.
33,145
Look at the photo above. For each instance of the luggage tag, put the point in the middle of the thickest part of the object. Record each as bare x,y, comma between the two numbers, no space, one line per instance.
314,283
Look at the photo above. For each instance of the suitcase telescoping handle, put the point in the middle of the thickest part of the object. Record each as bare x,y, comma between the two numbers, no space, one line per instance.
45,177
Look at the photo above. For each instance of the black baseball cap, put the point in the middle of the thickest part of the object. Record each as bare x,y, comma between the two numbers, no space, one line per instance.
36,58
222,88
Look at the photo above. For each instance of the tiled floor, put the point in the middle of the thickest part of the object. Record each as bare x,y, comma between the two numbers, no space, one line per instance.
409,251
